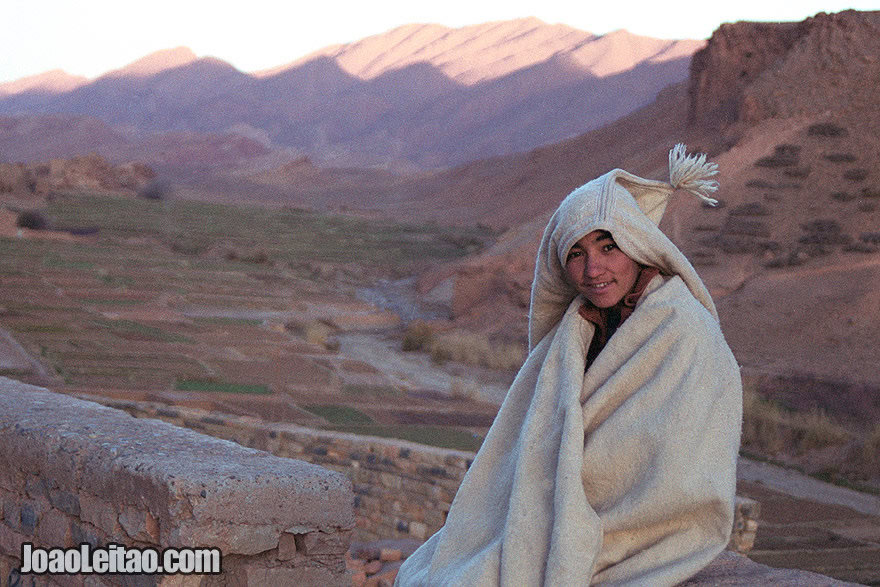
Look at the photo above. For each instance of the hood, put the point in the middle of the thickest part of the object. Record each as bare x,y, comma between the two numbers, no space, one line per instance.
630,208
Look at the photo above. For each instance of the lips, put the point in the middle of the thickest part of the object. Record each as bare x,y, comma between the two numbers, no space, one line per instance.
598,286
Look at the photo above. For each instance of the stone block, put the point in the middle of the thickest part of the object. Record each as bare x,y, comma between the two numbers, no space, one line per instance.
305,575
390,554
139,524
12,512
286,546
65,501
745,525
180,581
81,532
54,530
388,574
36,487
10,541
28,515
373,567
316,543
98,513
435,518
229,538
418,530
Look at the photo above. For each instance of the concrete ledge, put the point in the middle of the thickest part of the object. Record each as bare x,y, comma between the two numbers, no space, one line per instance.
74,471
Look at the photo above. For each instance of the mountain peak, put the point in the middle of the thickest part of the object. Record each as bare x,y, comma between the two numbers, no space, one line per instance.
157,62
54,81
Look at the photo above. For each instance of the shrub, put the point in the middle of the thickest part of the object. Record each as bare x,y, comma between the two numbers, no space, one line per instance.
866,207
760,184
732,244
476,349
855,174
826,129
463,389
256,256
815,429
769,427
750,209
821,225
870,192
840,157
797,172
745,226
154,190
871,450
783,156
858,247
187,246
703,258
313,331
418,336
842,196
32,219
870,237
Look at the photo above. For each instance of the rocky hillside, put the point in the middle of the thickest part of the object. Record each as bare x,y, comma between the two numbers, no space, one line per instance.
793,254
420,96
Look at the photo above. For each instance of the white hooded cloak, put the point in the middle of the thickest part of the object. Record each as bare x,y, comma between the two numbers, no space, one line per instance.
625,474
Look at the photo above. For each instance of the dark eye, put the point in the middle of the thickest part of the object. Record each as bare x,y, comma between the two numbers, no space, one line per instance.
572,254
609,247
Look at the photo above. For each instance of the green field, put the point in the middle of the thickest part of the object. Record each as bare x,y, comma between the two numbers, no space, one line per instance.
108,310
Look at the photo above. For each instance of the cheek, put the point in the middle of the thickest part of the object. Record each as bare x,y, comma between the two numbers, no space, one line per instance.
626,270
573,270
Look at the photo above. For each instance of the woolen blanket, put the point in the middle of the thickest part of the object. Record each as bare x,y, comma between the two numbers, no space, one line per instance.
624,474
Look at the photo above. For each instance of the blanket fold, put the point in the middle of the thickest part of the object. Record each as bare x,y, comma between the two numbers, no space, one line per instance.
626,480
625,474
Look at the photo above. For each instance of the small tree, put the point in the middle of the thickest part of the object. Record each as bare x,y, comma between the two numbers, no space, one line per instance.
154,190
32,219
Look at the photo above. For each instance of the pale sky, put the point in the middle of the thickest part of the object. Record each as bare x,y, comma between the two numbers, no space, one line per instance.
91,37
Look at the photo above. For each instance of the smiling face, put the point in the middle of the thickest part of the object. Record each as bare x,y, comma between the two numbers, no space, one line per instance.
599,270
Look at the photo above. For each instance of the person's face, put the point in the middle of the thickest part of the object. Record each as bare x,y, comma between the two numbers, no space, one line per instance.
599,270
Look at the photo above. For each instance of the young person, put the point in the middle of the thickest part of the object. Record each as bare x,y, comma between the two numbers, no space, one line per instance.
612,459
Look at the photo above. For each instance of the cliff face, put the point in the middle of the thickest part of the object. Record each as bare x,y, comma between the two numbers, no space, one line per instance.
749,72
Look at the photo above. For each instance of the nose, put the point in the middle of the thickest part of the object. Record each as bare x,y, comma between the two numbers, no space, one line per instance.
594,267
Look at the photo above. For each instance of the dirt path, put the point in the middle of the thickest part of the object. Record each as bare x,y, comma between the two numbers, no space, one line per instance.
799,485
14,358
415,371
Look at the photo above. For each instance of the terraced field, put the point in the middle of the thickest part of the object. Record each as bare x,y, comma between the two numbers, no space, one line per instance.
188,302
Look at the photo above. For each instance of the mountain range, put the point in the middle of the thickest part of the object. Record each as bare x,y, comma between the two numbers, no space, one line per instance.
416,97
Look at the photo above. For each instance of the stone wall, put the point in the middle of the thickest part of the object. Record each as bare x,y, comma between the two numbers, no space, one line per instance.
402,489
73,472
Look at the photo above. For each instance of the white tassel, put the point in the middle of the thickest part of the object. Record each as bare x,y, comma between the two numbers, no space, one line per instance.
692,173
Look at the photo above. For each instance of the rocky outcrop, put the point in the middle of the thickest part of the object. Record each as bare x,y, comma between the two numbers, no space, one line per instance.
751,71
85,172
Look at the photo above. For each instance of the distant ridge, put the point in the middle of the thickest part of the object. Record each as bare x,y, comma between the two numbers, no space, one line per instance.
483,52
419,96
54,81
156,62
